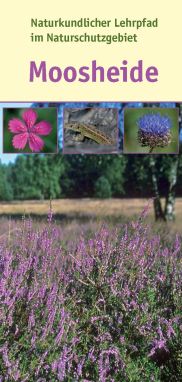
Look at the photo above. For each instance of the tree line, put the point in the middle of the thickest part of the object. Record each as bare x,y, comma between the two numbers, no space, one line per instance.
101,176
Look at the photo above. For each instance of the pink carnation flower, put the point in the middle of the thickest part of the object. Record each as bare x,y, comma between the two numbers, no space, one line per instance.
28,132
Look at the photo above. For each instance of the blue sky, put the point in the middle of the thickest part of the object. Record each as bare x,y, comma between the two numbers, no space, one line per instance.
6,158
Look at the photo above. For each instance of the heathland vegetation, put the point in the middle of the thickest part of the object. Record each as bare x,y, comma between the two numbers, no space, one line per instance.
94,299
103,306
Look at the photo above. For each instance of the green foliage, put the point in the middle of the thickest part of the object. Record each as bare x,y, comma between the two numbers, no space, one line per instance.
37,177
82,171
115,173
54,176
6,191
102,188
137,176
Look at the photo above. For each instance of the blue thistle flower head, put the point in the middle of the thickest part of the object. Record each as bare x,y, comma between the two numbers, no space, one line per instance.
154,130
155,123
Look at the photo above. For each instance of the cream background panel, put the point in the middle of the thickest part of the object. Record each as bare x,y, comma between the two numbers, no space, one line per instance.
156,46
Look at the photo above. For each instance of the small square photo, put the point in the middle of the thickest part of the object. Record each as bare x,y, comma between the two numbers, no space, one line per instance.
90,130
30,130
151,131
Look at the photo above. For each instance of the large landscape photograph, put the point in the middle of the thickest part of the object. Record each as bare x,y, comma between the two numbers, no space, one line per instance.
91,262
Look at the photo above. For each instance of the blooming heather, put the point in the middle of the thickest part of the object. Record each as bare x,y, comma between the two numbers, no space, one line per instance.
28,131
154,130
104,306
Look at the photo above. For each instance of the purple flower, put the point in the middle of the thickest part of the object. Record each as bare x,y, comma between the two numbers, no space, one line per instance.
154,130
158,349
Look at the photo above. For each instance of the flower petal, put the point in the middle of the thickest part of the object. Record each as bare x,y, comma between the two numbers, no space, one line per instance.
29,117
15,125
35,142
19,141
42,128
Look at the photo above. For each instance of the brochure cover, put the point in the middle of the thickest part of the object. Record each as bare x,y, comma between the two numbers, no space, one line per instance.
90,191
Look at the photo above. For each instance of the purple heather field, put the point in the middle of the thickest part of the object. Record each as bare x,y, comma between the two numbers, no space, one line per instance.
89,302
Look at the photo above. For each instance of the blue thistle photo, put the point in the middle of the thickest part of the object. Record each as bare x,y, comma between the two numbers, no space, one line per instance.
151,130
154,130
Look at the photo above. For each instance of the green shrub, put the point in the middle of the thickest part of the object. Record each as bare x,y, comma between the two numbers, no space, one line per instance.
103,188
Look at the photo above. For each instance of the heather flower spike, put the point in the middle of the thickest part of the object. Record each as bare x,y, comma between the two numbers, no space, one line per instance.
28,132
154,130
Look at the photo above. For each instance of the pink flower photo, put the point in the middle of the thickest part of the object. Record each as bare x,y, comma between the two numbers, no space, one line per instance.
28,132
